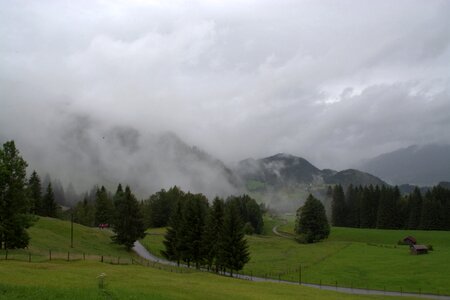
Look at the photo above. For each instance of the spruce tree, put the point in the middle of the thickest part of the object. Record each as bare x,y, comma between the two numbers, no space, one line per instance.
49,206
104,208
211,233
311,222
84,213
233,253
14,205
128,223
172,238
194,212
338,207
35,193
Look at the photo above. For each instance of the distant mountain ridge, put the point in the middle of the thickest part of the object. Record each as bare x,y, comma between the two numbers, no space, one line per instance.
285,169
416,165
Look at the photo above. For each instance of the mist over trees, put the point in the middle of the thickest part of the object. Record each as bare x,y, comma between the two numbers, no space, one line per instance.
384,207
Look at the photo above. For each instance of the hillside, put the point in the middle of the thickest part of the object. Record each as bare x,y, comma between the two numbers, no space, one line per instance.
418,165
79,279
283,181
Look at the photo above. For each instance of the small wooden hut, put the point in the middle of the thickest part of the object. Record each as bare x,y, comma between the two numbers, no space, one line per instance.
418,249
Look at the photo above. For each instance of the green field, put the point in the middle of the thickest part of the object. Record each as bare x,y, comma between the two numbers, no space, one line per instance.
364,258
53,234
60,279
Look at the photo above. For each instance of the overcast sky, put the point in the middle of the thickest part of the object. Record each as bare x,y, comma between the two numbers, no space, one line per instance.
332,81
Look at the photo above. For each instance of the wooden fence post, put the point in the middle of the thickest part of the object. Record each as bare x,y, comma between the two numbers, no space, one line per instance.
50,254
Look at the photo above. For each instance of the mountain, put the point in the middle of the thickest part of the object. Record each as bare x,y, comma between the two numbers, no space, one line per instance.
284,181
283,170
417,165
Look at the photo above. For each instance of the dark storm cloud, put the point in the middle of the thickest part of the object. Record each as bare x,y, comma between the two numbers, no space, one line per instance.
333,81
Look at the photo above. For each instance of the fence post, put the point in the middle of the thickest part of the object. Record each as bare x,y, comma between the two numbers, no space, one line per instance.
6,254
336,285
68,255
101,259
50,254
300,275
29,257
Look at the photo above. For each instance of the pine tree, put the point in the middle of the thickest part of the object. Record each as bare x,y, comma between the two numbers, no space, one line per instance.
338,208
49,207
172,238
84,213
35,193
103,207
14,205
193,222
233,253
353,206
128,223
311,222
211,233
430,217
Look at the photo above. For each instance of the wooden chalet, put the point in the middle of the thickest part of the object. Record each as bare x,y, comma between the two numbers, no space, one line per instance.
410,240
418,249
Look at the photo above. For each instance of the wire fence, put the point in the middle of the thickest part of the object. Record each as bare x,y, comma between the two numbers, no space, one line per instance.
292,275
47,256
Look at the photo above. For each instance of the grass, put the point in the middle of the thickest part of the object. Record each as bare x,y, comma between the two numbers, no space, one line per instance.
53,234
365,258
78,280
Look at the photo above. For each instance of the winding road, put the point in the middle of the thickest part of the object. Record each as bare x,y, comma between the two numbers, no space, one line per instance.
143,252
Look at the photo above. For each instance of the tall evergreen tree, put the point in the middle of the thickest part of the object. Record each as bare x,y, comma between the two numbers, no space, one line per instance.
128,224
430,217
211,233
35,193
49,206
353,206
233,253
312,221
104,208
194,213
14,205
84,213
338,208
172,239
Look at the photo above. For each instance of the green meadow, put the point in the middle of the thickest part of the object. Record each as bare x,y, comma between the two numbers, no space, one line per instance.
363,258
80,279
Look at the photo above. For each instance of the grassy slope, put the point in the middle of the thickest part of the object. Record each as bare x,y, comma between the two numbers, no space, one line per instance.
373,259
78,280
53,234
59,279
352,257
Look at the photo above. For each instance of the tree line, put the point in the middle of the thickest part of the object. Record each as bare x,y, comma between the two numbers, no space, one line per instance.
22,199
385,207
211,236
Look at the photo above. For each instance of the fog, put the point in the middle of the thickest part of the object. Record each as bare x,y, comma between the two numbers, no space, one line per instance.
97,91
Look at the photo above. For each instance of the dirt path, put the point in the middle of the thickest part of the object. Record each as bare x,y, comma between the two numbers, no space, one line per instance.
141,251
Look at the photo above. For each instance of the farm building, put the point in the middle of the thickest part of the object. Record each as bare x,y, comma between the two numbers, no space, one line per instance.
410,240
418,249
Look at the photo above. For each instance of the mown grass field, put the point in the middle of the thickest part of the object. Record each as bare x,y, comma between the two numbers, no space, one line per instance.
60,279
364,258
78,280
53,234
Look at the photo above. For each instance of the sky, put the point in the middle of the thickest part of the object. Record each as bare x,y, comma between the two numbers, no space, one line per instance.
335,82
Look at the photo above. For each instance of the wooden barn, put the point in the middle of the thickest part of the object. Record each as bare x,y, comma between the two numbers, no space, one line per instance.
410,240
418,249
